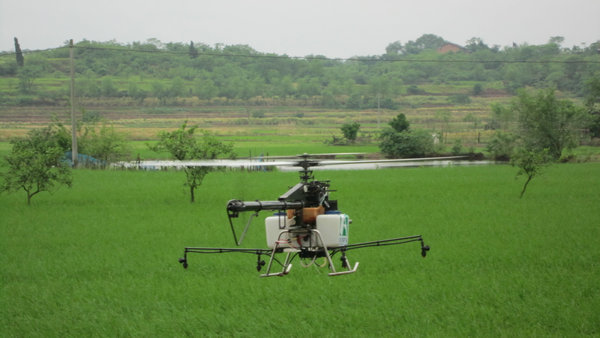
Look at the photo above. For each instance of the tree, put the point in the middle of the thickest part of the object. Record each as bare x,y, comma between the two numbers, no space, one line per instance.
444,118
546,122
27,76
475,44
459,99
108,88
547,125
36,163
205,89
160,91
406,143
177,87
102,142
134,91
394,48
350,131
502,116
193,51
401,141
354,101
19,54
556,40
400,123
183,144
501,146
592,103
530,163
426,41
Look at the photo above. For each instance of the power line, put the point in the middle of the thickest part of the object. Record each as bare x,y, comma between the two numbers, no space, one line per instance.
324,58
370,59
26,51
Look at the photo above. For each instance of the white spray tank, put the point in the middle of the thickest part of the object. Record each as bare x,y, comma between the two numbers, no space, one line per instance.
334,227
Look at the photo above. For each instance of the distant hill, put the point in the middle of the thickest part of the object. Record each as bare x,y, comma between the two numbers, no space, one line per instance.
182,74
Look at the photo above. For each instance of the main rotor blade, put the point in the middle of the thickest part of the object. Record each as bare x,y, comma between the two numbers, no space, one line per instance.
157,164
266,157
204,163
421,159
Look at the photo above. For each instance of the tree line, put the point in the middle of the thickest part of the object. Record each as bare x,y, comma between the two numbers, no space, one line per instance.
166,71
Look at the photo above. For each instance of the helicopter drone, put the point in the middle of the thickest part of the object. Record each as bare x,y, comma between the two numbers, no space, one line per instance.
305,223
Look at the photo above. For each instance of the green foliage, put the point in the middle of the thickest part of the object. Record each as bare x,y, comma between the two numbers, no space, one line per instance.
36,163
102,142
502,116
27,76
414,143
108,88
401,141
242,73
472,119
8,68
476,44
394,48
258,114
160,91
193,51
355,101
501,146
530,163
546,122
350,131
400,123
459,99
457,148
414,90
592,102
424,42
183,144
19,54
90,116
134,91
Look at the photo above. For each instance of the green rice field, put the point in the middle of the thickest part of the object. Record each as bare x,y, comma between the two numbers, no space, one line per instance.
100,258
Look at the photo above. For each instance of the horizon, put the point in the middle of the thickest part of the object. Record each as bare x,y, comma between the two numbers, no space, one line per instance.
162,45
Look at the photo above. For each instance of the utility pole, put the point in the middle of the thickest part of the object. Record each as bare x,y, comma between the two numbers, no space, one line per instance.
378,108
73,124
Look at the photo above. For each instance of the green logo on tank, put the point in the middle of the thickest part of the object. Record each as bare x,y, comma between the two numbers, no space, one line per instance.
344,226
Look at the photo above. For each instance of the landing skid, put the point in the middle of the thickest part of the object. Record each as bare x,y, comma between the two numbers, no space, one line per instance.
307,252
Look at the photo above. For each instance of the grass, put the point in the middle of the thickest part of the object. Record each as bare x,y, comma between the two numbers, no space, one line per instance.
100,259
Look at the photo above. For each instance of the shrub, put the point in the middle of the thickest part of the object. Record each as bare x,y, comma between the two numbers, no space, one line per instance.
406,143
457,147
350,131
258,114
414,90
459,99
400,123
501,146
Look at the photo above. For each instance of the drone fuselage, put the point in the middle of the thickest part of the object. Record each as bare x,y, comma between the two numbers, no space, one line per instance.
301,204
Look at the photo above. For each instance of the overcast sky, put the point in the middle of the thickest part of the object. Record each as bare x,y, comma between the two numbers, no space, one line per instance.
334,28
